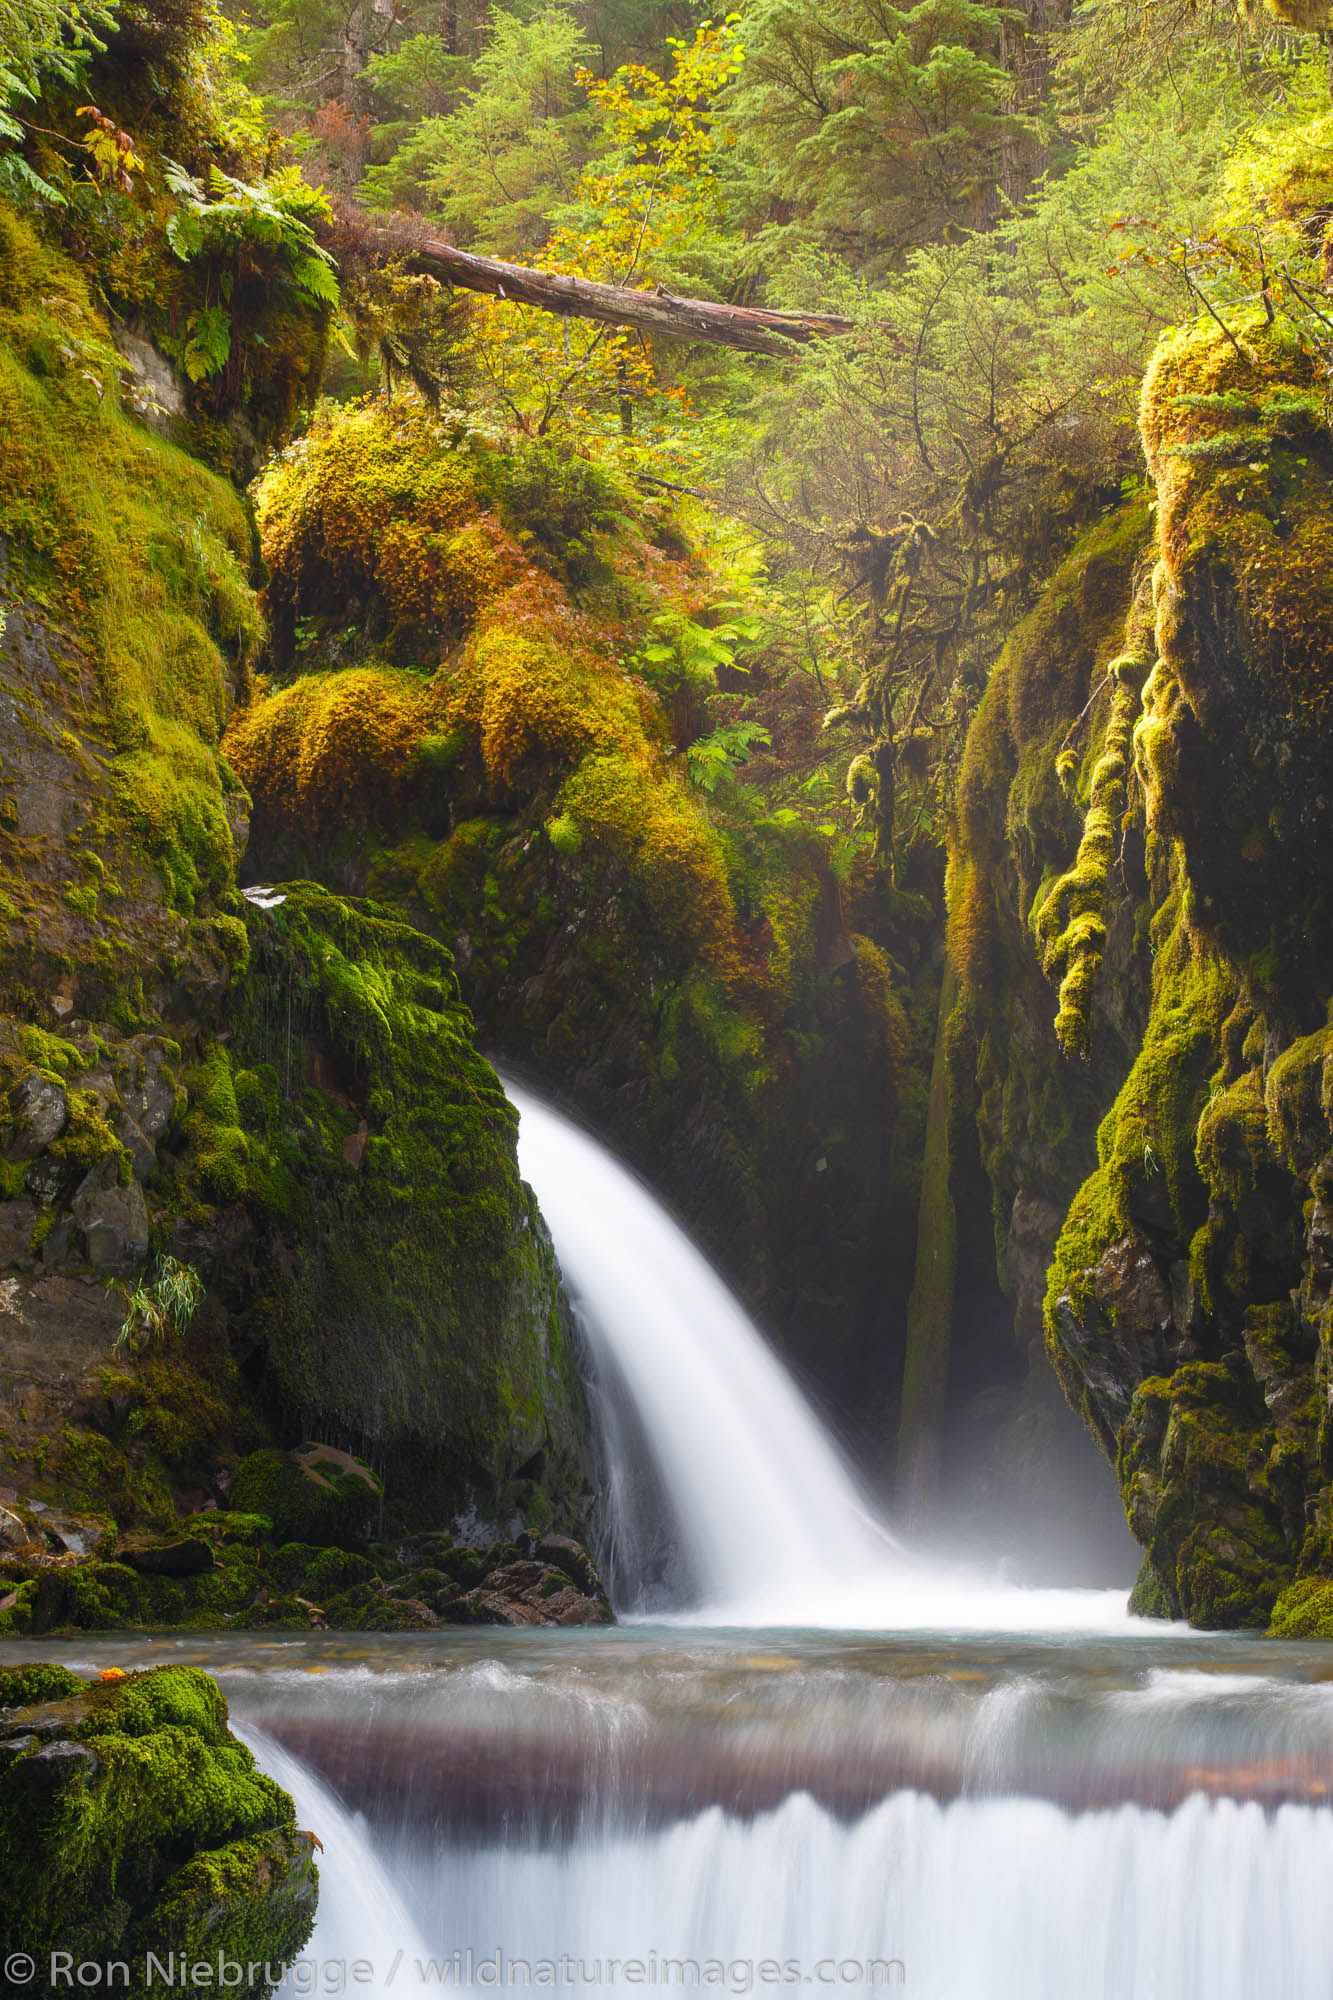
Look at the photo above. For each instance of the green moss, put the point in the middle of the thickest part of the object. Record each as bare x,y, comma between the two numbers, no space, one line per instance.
1194,1468
1304,1610
1298,1101
154,1833
135,544
1069,921
308,1498
21,1687
1146,1143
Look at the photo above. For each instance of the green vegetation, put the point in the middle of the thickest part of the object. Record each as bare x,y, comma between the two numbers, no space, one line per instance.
159,1306
869,780
149,1829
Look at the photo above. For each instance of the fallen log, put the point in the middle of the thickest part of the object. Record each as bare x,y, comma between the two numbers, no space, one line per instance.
751,329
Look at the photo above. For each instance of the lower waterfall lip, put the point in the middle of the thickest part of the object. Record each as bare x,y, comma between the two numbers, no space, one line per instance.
481,1782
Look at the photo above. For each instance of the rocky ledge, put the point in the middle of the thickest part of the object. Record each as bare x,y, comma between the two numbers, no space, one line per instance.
228,1570
133,1823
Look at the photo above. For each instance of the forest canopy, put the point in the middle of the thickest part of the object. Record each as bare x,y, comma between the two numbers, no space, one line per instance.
1007,205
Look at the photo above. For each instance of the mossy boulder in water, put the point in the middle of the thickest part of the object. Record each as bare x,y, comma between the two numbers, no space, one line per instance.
133,1822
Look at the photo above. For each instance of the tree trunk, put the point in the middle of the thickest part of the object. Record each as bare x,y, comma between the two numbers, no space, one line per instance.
930,1308
752,329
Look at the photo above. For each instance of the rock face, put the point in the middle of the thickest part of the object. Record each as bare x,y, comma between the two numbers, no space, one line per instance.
226,1570
133,1822
697,984
281,1108
112,1219
1187,1306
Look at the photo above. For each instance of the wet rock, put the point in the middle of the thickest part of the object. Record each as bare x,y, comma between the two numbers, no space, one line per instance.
1130,1287
142,1152
414,1607
39,1110
58,1247
150,386
562,1553
13,1533
530,1593
52,1181
113,1219
53,1768
18,1219
188,1556
149,1094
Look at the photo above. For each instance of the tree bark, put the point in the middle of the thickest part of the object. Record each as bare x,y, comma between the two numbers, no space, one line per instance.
752,329
930,1308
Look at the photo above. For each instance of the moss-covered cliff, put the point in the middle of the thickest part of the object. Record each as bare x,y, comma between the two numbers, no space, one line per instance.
284,1104
1138,909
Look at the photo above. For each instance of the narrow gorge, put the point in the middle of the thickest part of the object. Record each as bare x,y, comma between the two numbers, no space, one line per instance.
666,718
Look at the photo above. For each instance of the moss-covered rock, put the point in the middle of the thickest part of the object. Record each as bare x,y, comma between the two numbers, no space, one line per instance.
133,1822
1304,1610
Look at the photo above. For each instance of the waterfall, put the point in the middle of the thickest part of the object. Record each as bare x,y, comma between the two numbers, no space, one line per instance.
978,1878
767,1513
1046,1812
769,1526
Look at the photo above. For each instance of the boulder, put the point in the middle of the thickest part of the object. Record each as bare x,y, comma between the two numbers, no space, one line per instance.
530,1593
142,1152
563,1553
132,1821
149,1096
113,1219
38,1109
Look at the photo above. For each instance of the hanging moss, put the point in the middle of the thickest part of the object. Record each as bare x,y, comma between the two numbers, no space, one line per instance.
1070,922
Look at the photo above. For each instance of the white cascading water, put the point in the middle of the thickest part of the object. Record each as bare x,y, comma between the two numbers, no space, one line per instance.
978,1900
757,1489
773,1528
996,1895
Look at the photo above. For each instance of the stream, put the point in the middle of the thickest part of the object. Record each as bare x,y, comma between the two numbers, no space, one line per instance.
803,1758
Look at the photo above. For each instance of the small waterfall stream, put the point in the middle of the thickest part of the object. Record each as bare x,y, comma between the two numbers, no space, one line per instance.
767,1516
